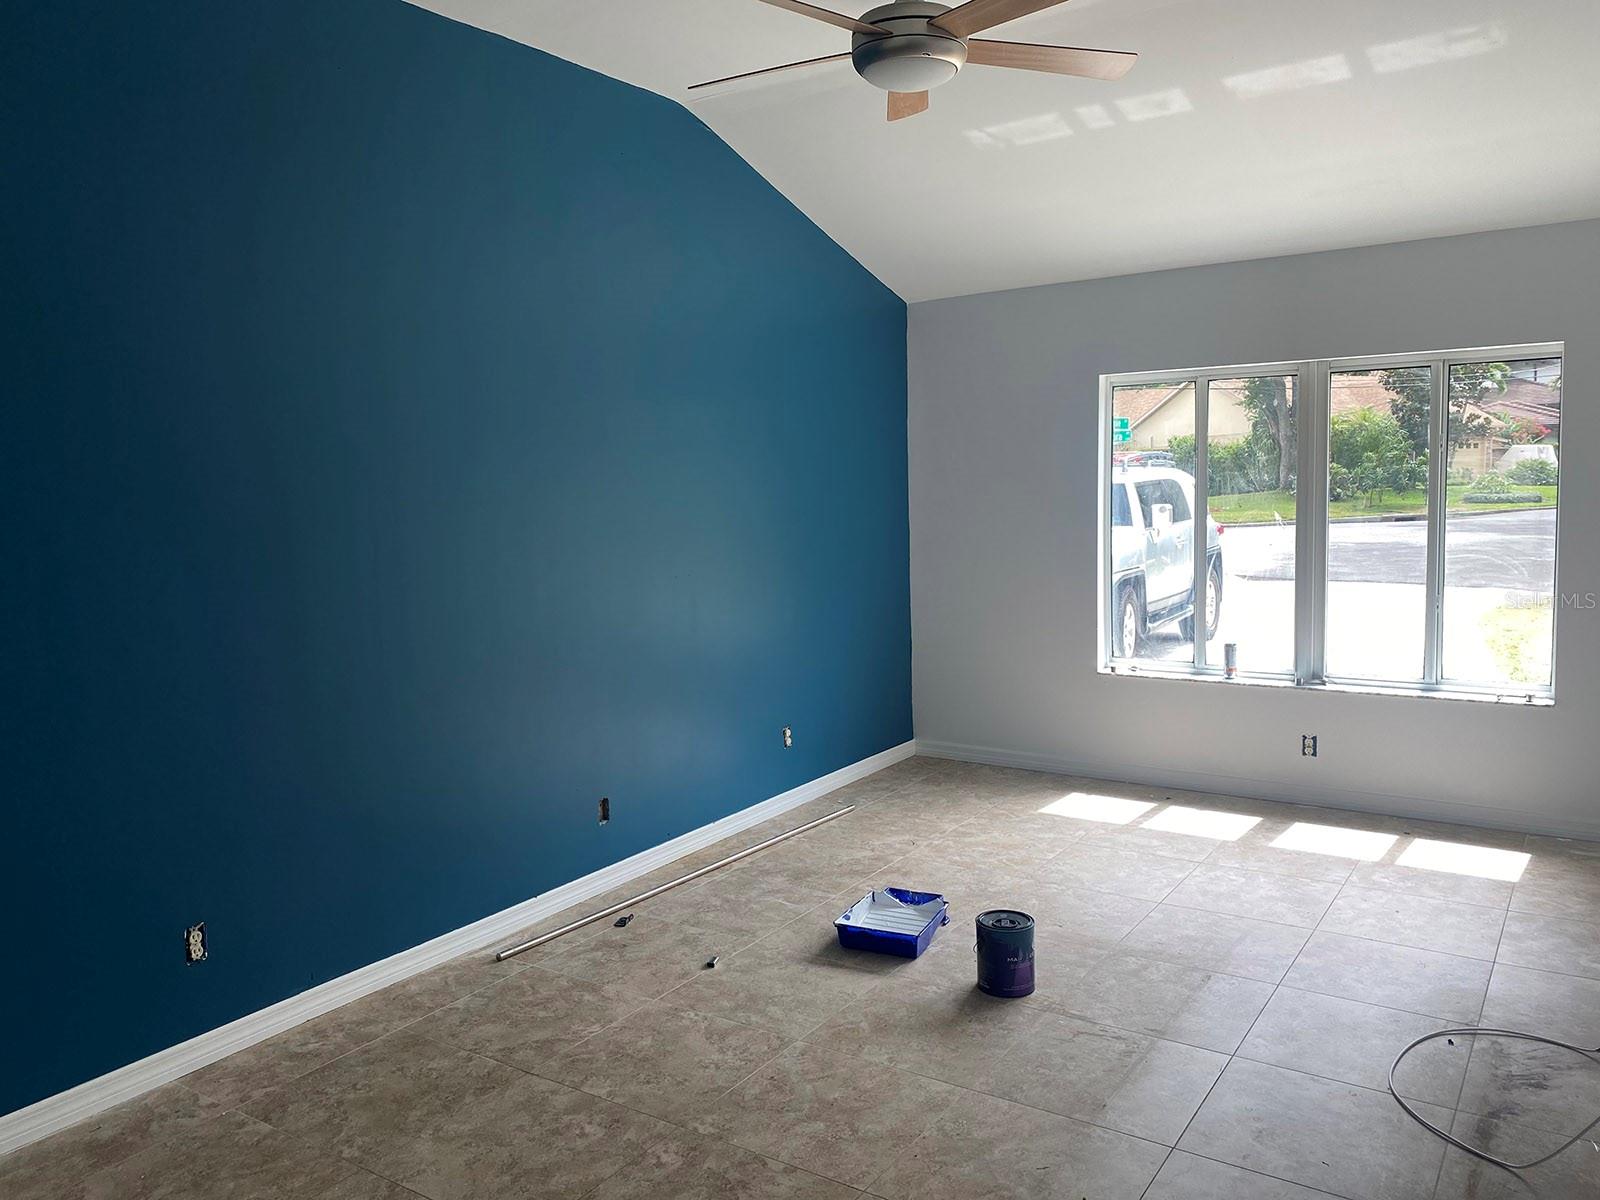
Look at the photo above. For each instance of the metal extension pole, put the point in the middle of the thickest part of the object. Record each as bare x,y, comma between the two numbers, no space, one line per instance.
656,891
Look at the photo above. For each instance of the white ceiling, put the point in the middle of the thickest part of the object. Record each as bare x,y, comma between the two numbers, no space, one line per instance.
1248,128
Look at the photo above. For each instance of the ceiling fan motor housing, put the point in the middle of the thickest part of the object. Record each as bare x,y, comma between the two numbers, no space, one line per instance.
913,56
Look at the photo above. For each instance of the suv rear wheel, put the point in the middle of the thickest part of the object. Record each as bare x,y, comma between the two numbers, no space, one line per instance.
1130,622
1213,603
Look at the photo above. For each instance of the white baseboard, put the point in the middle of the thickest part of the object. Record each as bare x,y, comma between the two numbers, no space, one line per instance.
76,1104
1419,808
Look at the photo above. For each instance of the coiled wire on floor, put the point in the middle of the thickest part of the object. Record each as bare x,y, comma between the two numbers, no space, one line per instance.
1593,1055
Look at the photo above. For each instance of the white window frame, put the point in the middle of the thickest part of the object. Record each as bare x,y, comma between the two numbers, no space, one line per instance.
1312,388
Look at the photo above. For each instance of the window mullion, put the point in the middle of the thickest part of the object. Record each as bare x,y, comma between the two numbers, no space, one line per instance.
1107,480
1438,480
1311,521
1199,528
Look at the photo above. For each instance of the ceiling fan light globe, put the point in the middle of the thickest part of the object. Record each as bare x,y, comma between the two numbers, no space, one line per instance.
908,62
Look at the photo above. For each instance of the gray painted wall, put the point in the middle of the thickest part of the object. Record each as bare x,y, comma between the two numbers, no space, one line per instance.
1003,398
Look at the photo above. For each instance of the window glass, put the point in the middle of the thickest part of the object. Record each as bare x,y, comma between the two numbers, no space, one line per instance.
1441,483
1378,442
1500,521
1151,585
1251,469
1174,495
1120,514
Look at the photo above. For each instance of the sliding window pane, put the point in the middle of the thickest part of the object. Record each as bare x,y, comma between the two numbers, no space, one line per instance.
1500,523
1378,442
1152,519
1251,469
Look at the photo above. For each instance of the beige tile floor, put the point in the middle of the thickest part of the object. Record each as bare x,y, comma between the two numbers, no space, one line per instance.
1222,986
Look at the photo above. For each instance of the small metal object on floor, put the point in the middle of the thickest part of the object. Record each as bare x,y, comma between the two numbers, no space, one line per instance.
612,910
621,921
713,961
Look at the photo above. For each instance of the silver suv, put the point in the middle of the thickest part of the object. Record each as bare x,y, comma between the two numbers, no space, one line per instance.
1152,552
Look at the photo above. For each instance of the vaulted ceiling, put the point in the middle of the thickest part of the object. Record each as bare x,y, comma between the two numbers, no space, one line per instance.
1248,128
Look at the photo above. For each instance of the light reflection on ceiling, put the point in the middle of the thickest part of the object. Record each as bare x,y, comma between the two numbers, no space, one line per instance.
1291,77
1046,127
1154,105
1430,48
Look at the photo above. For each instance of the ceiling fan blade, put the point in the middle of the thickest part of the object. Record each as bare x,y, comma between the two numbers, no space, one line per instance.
974,16
810,62
828,15
1060,60
907,104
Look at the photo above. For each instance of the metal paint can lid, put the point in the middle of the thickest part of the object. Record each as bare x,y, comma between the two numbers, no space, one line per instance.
1006,925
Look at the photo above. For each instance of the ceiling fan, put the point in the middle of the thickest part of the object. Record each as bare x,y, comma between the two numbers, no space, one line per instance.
910,46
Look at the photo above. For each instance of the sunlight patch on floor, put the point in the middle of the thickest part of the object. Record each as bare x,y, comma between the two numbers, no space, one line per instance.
1086,806
1332,840
1459,859
1202,822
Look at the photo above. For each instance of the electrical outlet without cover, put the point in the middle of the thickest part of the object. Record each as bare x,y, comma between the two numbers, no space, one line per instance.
194,944
1308,745
788,737
605,809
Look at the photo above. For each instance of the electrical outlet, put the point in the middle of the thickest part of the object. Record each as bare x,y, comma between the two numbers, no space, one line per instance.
194,944
605,810
788,737
1308,745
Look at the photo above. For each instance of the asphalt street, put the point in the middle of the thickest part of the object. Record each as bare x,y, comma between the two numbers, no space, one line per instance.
1514,550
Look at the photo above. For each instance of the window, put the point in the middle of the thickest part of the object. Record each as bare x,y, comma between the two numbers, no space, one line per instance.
1379,439
1498,600
1386,522
1155,425
1253,472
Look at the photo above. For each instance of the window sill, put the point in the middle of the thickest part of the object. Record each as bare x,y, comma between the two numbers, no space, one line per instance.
1342,686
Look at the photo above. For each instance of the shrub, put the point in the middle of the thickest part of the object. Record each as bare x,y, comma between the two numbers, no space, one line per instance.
1491,481
1370,454
1502,498
1537,472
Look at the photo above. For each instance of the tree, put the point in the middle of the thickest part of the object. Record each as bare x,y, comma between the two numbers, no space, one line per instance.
1271,407
1469,383
1470,386
1468,391
1412,389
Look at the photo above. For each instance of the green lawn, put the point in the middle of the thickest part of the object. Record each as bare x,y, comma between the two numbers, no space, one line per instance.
1520,640
1250,507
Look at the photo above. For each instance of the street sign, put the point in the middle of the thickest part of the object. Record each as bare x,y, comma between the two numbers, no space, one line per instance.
1119,429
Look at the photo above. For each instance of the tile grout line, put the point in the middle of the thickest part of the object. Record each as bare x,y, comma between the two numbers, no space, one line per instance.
1455,1108
1232,1055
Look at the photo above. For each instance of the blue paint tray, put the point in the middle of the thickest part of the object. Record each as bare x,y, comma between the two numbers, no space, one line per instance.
893,921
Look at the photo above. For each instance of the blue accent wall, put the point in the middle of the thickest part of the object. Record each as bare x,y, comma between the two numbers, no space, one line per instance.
407,439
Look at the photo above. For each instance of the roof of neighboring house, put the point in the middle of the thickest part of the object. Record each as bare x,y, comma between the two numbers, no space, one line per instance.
1527,401
1351,390
1521,400
1137,403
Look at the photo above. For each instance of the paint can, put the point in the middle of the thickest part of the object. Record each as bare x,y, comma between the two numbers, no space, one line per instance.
1005,952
